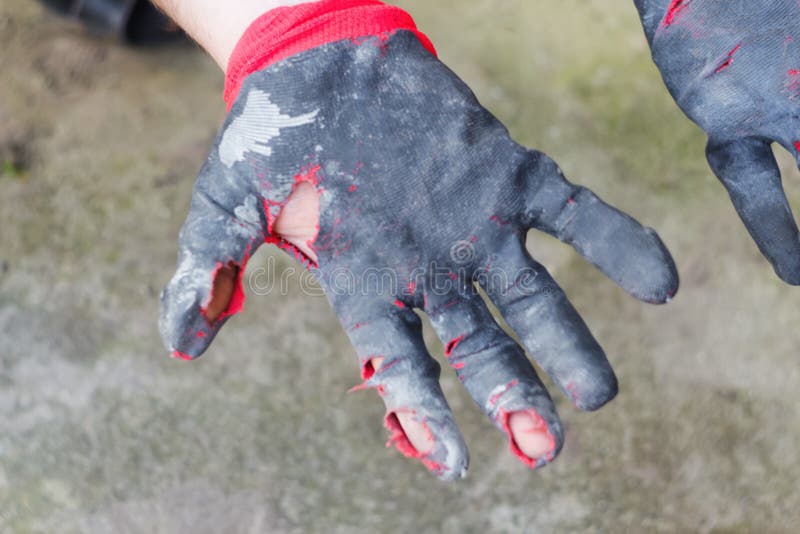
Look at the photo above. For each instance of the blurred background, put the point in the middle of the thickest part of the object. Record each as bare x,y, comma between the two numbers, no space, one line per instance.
101,432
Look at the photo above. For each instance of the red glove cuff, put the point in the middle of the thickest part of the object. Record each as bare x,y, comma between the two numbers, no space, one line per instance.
286,31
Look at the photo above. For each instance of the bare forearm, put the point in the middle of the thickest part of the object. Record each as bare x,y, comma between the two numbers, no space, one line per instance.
217,25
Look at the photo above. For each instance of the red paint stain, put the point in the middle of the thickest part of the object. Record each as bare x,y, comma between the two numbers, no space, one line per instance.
675,7
573,392
352,188
793,83
494,399
295,252
498,220
178,355
727,63
450,304
308,174
367,369
671,294
452,344
360,387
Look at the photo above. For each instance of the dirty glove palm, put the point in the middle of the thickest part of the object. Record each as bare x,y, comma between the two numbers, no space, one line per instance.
422,193
734,69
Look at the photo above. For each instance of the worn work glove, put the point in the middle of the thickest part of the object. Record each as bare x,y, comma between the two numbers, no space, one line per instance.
734,69
421,193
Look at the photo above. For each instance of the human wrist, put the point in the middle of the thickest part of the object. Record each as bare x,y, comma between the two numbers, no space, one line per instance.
216,26
285,31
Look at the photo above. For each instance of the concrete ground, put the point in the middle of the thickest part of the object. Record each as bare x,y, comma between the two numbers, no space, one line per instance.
101,432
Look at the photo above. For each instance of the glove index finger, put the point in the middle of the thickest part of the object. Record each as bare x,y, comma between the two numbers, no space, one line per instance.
748,170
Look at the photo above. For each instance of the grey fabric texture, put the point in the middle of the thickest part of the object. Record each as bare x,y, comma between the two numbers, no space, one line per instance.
423,197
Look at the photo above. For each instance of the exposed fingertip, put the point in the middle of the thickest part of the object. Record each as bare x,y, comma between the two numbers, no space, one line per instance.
531,435
227,296
530,438
418,434
445,456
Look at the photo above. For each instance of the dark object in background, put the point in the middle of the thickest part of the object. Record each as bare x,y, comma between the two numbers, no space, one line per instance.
135,22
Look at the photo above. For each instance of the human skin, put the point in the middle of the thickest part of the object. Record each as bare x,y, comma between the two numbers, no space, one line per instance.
217,27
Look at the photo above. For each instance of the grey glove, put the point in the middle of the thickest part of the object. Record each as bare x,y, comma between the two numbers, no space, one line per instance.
734,68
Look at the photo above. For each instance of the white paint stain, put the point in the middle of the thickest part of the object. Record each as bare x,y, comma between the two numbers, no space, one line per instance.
253,130
248,214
